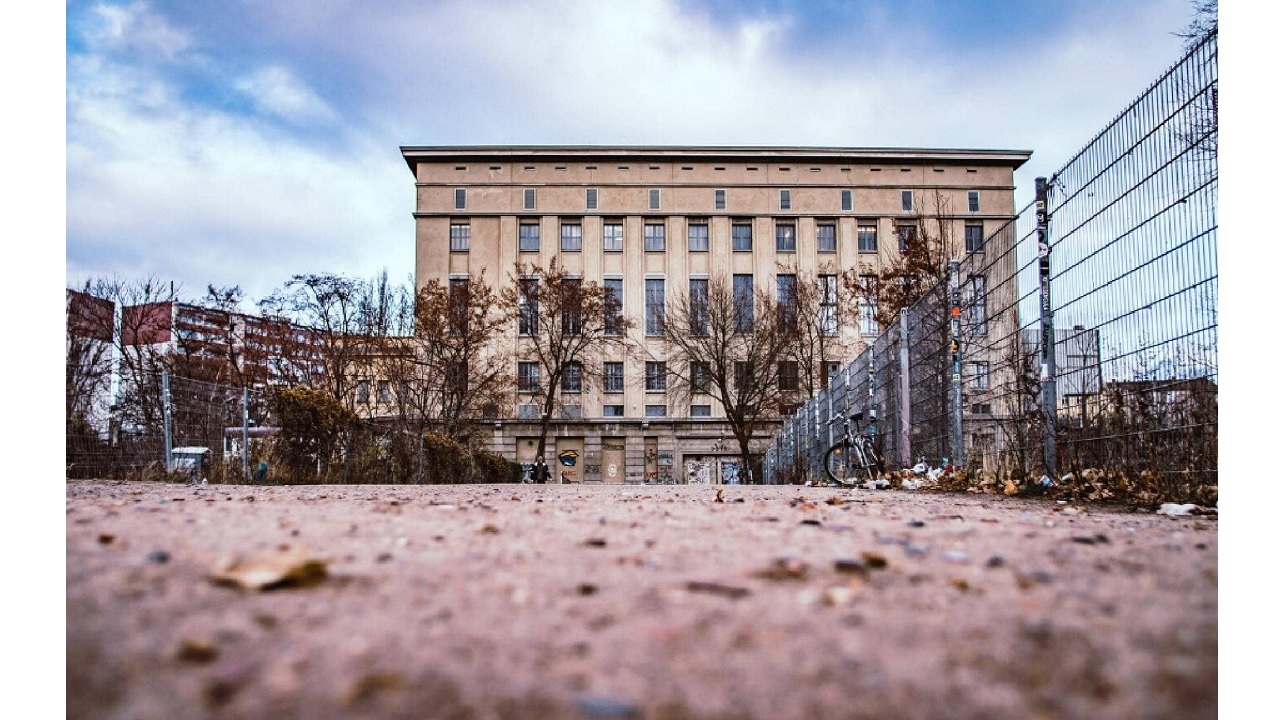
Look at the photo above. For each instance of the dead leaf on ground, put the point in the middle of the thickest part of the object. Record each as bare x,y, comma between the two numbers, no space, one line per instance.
784,569
719,495
835,500
489,529
372,684
715,588
197,651
285,566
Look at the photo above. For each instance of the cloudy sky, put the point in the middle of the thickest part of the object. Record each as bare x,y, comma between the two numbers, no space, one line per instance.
239,142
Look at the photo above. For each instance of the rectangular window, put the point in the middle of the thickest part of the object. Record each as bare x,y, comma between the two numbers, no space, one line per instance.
455,379
699,411
973,201
742,375
655,377
613,378
571,307
699,237
720,200
908,201
655,199
867,307
460,199
593,198
530,199
613,306
655,306
699,310
973,237
459,237
614,411
655,237
846,200
828,296
979,376
613,237
529,380
529,306
655,410
459,305
975,304
784,199
788,375
867,241
362,392
571,380
530,237
906,236
826,237
571,237
786,236
742,237
744,306
700,377
786,303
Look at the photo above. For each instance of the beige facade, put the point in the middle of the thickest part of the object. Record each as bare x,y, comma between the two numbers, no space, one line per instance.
599,211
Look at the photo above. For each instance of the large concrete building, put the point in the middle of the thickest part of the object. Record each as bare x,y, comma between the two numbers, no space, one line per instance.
650,219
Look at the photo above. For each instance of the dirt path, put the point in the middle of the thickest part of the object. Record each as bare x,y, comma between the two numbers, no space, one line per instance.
633,602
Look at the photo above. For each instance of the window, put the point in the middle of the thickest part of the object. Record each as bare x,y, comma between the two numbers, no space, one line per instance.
455,379
786,303
867,242
979,376
973,237
459,237
744,307
846,200
867,307
655,199
593,198
571,380
655,410
742,376
384,392
826,237
788,375
613,411
655,377
655,237
973,201
828,296
699,310
742,237
530,237
784,199
908,201
530,198
654,306
529,306
699,237
613,237
459,300
699,411
975,304
786,235
700,377
460,199
720,200
529,380
613,378
613,306
906,236
571,307
571,237
362,392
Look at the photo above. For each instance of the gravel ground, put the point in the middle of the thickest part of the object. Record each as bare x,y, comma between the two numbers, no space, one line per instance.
550,601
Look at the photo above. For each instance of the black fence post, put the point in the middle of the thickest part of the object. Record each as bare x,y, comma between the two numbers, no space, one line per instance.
1048,369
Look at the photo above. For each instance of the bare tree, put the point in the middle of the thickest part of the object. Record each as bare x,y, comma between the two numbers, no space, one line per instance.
90,351
733,347
818,307
566,325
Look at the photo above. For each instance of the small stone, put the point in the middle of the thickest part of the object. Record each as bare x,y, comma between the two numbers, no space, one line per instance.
106,538
915,523
158,557
197,651
915,550
995,561
851,566
604,706
587,589
955,556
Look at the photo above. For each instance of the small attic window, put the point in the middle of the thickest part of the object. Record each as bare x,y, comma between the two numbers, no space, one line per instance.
528,167
939,169
560,167
495,167
686,167
720,169
654,167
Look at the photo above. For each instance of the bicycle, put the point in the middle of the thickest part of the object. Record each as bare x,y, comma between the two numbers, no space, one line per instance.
853,459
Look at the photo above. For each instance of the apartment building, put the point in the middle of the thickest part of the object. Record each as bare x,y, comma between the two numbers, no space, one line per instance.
646,221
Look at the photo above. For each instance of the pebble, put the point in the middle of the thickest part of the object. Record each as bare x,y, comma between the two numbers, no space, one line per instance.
955,556
604,706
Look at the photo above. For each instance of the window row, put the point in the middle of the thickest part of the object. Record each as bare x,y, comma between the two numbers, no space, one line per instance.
699,236
656,377
719,199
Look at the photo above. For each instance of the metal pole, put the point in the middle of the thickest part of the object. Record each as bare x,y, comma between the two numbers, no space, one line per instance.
244,433
168,421
1048,369
904,393
957,385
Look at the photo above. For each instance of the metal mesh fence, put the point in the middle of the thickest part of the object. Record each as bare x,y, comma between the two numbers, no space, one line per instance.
1127,302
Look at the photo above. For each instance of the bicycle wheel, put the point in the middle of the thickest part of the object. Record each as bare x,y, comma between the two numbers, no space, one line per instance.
841,464
870,466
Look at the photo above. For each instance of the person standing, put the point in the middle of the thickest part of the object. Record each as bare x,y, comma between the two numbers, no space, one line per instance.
541,473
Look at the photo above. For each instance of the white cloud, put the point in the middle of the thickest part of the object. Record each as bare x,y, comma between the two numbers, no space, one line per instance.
134,27
276,91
